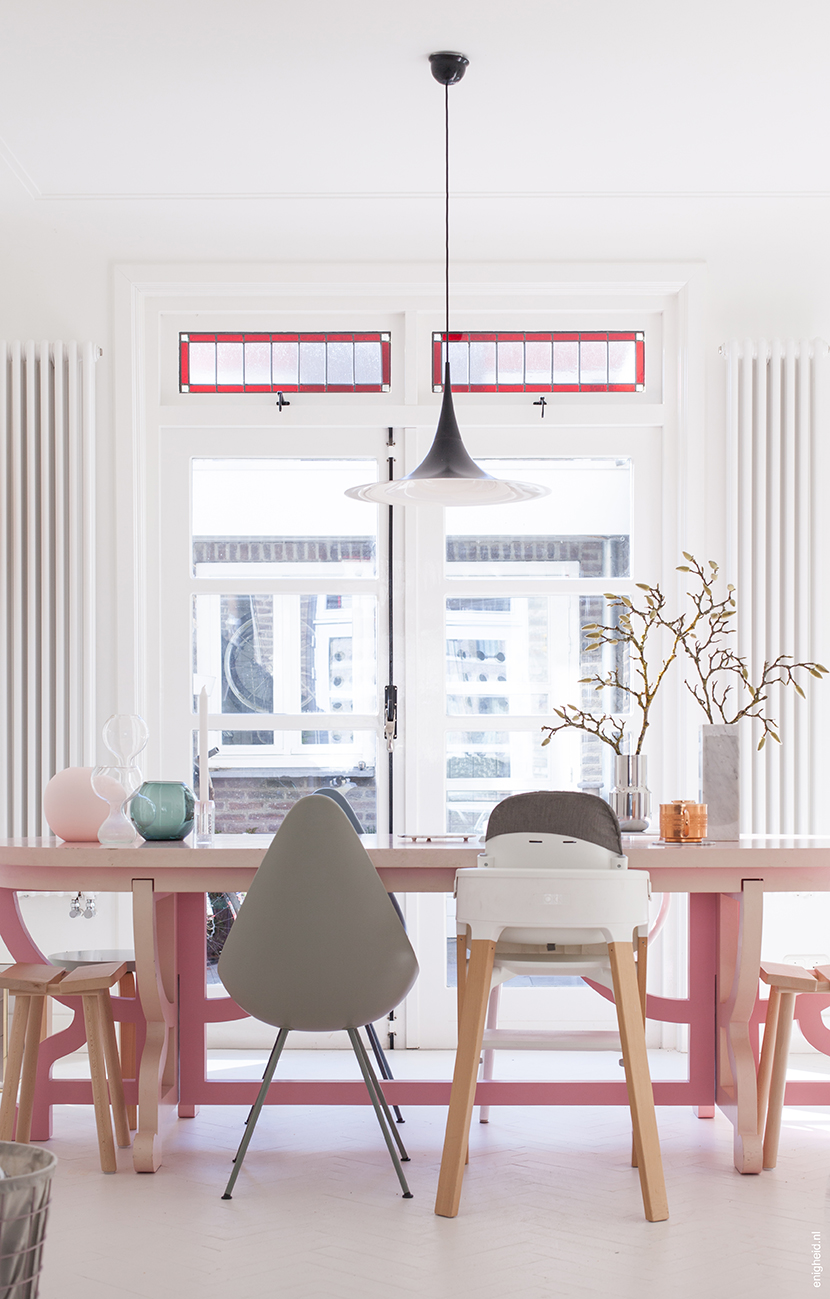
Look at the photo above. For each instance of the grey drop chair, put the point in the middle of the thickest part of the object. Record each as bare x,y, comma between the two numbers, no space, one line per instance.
374,1041
317,946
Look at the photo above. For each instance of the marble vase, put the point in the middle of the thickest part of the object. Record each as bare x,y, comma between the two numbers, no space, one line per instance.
720,780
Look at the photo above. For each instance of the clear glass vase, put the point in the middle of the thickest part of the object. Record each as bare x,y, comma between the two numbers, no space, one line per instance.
116,786
125,735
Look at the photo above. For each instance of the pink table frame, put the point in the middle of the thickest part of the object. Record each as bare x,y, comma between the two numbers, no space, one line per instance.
168,882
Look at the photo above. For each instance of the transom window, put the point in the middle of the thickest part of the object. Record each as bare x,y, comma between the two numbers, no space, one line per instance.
285,362
503,361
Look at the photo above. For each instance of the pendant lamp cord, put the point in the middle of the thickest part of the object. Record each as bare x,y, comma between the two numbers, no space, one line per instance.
447,215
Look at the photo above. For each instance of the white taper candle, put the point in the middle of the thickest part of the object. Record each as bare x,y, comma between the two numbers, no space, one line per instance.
204,786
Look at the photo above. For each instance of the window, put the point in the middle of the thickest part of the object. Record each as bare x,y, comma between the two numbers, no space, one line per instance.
541,362
521,581
285,581
284,362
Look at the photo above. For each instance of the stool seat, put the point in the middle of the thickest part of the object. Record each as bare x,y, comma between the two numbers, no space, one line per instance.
91,978
30,979
31,984
94,956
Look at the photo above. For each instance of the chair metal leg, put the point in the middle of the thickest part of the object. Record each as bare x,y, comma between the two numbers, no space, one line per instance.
255,1112
384,1118
383,1064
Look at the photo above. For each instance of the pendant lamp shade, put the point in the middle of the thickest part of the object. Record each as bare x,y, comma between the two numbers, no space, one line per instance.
447,475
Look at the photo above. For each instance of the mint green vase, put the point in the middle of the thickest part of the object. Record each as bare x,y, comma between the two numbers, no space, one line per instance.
163,809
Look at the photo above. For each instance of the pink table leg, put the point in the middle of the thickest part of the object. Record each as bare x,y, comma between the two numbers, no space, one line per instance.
196,1009
698,1010
741,924
154,916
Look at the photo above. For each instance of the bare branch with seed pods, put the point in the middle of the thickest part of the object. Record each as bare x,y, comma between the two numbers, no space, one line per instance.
720,680
721,683
636,629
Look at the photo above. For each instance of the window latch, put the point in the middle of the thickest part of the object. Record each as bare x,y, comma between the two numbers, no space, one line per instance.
543,403
390,716
281,401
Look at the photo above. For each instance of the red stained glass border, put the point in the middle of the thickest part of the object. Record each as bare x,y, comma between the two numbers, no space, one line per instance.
536,336
339,336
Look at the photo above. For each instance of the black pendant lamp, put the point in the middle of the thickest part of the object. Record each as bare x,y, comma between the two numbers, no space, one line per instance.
447,475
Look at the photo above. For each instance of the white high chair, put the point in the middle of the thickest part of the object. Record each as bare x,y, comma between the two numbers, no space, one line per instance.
552,901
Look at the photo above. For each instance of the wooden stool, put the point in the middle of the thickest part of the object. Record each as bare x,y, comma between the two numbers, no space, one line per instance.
126,988
30,985
786,982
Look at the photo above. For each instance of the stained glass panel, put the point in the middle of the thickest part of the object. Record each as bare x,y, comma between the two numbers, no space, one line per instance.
599,361
286,362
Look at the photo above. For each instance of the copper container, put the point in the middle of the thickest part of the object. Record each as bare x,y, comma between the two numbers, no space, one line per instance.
683,821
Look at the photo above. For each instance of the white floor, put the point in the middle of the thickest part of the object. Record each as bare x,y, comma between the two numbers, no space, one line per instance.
551,1206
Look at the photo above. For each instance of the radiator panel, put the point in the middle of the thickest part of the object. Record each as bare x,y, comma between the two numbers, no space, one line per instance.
778,488
47,582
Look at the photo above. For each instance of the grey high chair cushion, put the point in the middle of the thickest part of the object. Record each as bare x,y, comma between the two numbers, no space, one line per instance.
566,812
317,945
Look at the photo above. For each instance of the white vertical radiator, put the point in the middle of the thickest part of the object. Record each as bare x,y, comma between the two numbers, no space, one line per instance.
778,499
47,644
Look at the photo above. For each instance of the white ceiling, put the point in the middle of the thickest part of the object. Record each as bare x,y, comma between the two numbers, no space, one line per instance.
107,99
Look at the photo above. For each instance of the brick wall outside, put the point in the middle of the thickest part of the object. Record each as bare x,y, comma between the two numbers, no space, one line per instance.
248,804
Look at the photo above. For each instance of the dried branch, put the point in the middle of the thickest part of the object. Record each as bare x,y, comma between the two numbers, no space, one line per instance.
720,681
635,628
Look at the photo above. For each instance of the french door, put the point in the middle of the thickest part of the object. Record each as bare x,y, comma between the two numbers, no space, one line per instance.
274,590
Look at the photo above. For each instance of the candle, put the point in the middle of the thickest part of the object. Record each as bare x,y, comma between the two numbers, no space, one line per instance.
204,786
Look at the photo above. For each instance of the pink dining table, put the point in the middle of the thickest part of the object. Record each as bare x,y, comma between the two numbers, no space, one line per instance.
726,883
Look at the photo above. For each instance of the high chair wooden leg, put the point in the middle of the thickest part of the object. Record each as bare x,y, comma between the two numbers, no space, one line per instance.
14,1061
34,1021
97,1070
778,1082
488,1056
638,1081
642,973
462,1097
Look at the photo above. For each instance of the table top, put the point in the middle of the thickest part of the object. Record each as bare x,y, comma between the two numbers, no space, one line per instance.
786,864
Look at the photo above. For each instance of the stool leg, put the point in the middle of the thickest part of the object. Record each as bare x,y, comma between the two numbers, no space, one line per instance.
27,1084
126,988
767,1055
17,1039
778,1083
116,1082
92,1019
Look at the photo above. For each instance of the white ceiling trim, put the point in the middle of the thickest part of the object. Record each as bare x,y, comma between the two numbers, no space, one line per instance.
408,196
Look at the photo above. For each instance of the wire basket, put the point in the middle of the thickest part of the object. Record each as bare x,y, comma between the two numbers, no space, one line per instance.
24,1208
